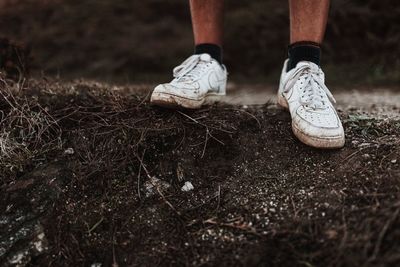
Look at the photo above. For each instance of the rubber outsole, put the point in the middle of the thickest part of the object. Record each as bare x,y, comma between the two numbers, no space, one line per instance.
174,101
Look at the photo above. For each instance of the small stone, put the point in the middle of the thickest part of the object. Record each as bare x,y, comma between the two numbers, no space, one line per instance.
366,156
393,161
188,186
69,151
331,234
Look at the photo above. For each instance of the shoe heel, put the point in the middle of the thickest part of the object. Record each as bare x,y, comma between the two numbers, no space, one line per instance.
211,99
282,102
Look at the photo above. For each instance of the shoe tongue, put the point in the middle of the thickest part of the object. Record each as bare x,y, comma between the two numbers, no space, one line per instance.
306,63
205,57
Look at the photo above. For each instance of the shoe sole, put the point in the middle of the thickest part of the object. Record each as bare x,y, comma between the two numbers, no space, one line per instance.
333,142
174,101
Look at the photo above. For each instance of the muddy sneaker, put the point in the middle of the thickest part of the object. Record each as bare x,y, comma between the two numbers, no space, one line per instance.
199,80
315,122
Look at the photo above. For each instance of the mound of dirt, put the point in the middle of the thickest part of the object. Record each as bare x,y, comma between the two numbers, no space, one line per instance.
101,178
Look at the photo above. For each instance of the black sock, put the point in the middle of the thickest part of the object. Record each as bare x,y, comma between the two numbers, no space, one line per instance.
303,51
213,50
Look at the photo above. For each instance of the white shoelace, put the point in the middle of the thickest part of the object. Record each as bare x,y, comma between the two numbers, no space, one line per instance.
190,70
314,91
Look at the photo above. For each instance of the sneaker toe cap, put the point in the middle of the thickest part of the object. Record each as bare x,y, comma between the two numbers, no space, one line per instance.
333,130
162,88
320,125
321,119
170,89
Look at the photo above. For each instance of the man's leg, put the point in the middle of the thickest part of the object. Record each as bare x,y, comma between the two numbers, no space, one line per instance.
307,28
207,21
302,87
308,20
201,79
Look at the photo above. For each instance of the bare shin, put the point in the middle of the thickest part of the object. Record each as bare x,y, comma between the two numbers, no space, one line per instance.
308,20
207,20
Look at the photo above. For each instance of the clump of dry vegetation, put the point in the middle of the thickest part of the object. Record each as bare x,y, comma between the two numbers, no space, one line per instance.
27,130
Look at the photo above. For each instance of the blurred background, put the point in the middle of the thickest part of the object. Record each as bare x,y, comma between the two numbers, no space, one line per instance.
127,41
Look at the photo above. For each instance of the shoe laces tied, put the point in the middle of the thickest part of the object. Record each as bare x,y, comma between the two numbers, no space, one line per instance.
314,91
191,69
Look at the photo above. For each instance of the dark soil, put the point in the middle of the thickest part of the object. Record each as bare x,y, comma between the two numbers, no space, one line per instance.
91,175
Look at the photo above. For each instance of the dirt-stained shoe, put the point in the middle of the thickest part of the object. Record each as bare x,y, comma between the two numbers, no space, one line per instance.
199,80
315,122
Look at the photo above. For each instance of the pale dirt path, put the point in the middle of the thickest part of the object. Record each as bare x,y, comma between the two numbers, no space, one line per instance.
383,102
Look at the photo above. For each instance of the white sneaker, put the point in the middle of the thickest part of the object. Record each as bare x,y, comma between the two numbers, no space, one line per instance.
199,80
315,122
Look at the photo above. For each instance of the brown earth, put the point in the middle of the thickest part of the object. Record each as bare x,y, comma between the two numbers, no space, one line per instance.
92,175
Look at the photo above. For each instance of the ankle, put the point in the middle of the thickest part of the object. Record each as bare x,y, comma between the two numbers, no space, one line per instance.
215,51
303,51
